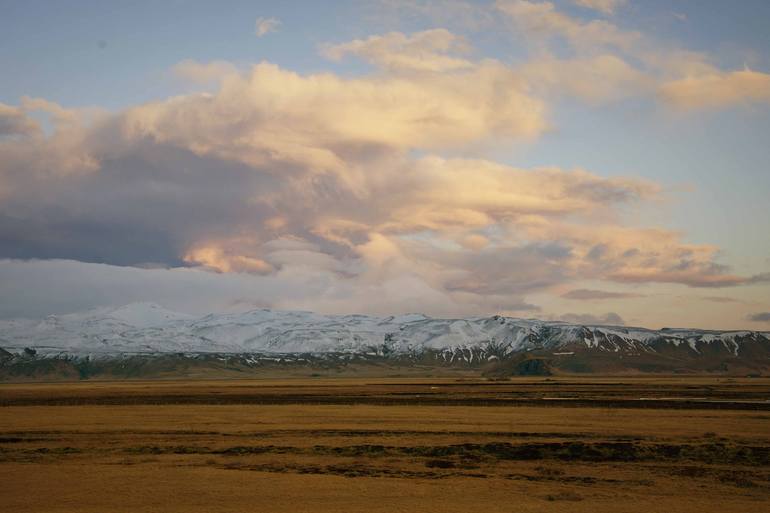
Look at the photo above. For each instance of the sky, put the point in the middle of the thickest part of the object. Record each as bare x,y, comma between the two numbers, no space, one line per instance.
598,161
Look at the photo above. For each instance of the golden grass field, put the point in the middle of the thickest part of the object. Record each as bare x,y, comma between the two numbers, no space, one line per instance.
322,445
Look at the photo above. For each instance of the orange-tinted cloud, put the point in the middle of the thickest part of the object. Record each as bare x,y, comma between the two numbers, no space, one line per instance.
342,186
14,123
606,62
717,89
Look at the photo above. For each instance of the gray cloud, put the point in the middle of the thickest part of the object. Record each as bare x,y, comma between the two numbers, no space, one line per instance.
610,318
509,270
588,294
36,288
759,317
759,278
721,299
147,206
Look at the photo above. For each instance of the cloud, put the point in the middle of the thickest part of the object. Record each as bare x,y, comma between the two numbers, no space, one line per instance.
679,16
595,61
14,122
595,79
332,192
204,73
542,21
599,61
42,287
29,151
264,26
588,294
314,119
610,318
721,299
443,13
430,50
717,90
759,317
759,278
607,7
688,265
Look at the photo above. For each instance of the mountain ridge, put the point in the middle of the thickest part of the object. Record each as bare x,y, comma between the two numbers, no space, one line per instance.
148,328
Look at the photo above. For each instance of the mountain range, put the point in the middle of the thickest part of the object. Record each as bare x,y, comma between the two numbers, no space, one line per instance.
496,344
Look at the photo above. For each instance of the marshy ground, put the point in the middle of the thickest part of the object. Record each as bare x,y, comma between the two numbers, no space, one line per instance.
397,444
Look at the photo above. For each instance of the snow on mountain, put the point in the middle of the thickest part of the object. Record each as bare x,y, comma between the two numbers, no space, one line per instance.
101,330
149,328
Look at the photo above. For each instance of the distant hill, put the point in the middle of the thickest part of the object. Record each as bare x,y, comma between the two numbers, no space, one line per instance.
145,339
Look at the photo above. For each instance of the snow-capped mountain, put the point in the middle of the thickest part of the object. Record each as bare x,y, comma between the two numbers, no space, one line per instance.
146,328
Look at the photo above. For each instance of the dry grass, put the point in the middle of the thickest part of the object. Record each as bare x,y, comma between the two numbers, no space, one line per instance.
133,457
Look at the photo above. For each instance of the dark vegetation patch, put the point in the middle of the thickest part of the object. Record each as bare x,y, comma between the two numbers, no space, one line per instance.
440,464
737,477
710,453
564,496
350,470
580,480
399,433
54,450
12,439
36,454
603,451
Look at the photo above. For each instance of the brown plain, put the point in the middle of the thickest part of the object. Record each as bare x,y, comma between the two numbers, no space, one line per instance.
387,444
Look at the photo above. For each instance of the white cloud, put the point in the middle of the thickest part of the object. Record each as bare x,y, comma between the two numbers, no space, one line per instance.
607,7
430,50
264,26
543,20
